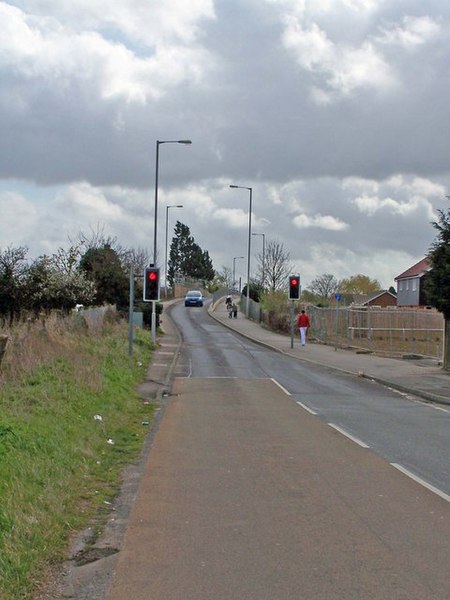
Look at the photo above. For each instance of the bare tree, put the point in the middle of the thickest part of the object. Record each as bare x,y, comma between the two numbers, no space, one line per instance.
277,266
137,258
324,285
223,278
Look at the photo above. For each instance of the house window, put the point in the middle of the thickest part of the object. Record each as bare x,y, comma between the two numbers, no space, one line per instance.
407,285
414,285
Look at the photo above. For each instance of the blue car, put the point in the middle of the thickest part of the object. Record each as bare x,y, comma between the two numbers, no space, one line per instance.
193,298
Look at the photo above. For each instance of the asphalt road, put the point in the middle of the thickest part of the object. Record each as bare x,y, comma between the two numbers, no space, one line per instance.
246,495
406,432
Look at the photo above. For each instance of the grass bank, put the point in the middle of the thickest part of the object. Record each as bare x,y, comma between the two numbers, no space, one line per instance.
70,420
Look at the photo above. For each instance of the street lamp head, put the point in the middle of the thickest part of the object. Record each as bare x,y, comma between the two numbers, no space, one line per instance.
241,187
184,142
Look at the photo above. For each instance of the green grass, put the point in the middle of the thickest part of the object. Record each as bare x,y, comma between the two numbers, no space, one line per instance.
57,467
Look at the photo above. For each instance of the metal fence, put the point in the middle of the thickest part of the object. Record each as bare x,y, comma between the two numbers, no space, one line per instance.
400,331
395,331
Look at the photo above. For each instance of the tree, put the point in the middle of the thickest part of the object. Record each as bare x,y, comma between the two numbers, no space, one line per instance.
48,287
277,266
187,259
222,279
256,290
103,266
437,280
359,284
12,270
311,298
324,286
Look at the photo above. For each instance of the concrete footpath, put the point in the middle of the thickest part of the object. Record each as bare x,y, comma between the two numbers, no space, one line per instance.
422,377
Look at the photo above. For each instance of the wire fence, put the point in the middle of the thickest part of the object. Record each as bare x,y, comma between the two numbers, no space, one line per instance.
400,331
390,330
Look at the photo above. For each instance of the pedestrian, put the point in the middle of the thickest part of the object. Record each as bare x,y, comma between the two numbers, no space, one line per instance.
303,325
234,309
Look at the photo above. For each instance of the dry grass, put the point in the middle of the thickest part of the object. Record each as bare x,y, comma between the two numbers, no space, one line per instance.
35,342
57,464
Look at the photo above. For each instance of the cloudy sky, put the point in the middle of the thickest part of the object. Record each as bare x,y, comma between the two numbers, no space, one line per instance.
335,112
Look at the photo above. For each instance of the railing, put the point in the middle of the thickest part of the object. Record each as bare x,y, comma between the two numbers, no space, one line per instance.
390,330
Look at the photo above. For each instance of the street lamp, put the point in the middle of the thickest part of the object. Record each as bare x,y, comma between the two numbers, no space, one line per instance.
263,256
155,228
234,270
244,187
167,234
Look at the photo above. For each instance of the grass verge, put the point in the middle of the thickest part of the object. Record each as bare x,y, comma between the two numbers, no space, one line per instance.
68,425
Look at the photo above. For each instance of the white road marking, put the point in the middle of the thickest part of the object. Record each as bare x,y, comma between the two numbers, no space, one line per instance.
349,435
310,410
280,386
440,408
417,479
159,365
417,400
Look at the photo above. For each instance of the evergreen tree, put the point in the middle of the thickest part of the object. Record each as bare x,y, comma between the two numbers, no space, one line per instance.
104,267
186,258
437,280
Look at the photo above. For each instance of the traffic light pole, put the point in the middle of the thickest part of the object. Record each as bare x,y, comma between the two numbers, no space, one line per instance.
292,323
153,323
130,313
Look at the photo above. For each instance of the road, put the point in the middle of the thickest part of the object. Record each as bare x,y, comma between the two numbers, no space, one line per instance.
412,434
247,495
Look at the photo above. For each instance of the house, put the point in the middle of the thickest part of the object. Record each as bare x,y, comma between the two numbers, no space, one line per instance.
381,298
410,284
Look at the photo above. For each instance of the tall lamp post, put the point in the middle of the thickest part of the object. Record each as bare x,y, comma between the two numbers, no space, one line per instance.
234,269
155,228
244,187
263,256
167,239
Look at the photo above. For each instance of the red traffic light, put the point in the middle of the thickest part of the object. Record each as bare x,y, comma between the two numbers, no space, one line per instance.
151,284
294,287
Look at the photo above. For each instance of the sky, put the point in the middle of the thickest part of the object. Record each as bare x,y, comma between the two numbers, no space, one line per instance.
335,112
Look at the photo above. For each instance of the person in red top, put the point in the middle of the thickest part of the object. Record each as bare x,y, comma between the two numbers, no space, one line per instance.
303,325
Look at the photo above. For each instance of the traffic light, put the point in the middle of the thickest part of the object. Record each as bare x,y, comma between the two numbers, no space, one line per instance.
151,284
294,287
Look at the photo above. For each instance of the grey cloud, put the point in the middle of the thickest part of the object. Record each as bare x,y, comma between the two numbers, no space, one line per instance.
253,119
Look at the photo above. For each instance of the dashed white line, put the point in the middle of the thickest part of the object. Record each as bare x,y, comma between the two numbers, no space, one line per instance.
349,435
417,479
310,410
280,386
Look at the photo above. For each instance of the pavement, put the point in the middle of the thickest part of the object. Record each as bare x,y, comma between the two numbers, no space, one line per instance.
421,377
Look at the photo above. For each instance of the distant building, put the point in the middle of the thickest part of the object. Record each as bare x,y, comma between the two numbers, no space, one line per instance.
381,298
410,284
